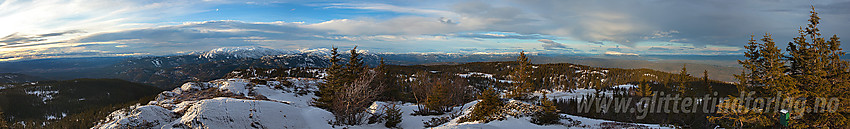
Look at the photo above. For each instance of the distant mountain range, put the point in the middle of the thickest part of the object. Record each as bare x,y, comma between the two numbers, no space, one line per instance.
167,71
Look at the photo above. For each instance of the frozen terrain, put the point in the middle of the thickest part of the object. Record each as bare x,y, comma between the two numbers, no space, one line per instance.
284,103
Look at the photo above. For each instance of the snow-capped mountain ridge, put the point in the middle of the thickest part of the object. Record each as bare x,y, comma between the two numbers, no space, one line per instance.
259,52
240,52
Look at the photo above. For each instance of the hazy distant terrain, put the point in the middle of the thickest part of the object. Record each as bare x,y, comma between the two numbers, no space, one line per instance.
720,67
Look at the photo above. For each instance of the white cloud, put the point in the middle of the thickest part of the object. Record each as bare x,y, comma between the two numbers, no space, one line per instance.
392,8
405,25
552,45
619,53
440,26
199,36
462,17
46,26
47,16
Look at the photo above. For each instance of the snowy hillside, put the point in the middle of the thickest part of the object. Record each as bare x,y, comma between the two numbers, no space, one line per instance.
284,103
226,103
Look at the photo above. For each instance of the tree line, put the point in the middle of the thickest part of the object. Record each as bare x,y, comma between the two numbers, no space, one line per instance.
809,69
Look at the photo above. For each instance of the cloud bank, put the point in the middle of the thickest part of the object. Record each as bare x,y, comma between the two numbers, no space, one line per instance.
45,29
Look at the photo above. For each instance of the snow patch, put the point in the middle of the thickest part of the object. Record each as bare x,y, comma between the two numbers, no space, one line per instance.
483,75
55,117
235,86
626,86
148,116
45,95
233,113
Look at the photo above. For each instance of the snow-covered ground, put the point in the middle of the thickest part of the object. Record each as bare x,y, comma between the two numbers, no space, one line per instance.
173,109
239,103
483,75
579,93
45,95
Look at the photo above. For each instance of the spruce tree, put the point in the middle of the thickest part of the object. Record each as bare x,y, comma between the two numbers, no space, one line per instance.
749,76
343,93
549,115
355,63
815,71
840,78
436,100
772,79
393,91
334,79
818,71
644,90
773,70
683,80
361,86
706,82
751,63
838,75
381,64
393,115
523,84
732,113
488,109
741,85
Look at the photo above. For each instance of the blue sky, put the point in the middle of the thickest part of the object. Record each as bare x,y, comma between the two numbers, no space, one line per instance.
87,28
289,12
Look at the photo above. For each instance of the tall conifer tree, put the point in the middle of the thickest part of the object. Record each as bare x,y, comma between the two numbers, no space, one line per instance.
818,71
706,82
488,108
773,70
355,64
682,79
523,84
750,64
333,81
